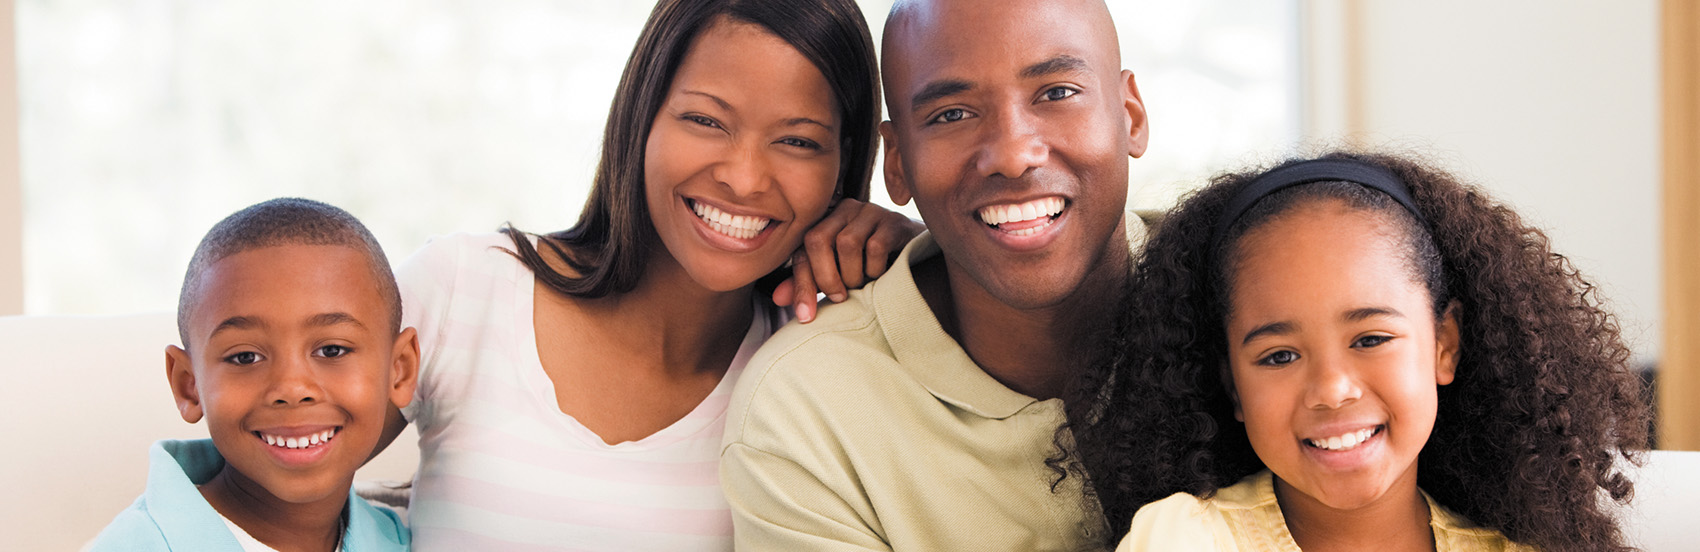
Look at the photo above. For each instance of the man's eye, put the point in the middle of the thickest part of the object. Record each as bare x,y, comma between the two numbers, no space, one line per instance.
333,351
1059,93
1370,341
949,116
1279,358
243,358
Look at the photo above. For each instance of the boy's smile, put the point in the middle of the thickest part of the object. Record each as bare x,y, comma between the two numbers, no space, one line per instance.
294,367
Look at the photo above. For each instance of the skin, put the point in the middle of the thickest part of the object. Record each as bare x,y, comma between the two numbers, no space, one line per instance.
1331,332
291,340
1001,103
730,134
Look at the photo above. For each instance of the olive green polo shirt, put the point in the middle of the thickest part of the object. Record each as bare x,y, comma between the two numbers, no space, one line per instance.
871,429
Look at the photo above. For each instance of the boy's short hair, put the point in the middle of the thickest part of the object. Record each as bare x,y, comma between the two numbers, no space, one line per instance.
285,221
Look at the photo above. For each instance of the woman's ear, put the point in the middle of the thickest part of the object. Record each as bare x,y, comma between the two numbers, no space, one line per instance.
1447,340
180,373
404,367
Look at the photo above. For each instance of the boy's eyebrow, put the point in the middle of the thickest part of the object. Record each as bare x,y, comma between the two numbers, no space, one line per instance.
332,319
1272,328
237,323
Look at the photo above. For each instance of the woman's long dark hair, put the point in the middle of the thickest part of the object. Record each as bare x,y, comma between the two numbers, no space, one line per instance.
610,244
1527,438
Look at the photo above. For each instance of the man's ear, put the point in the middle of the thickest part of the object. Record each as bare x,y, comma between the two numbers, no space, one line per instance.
896,185
1447,343
404,367
1227,377
1139,132
180,373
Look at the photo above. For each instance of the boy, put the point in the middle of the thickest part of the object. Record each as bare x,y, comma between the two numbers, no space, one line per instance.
293,352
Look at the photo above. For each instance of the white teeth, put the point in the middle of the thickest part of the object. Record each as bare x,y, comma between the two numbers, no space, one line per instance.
305,441
742,227
1038,208
1343,442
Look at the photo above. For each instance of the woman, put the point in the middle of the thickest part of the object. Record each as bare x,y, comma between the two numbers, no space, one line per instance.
573,385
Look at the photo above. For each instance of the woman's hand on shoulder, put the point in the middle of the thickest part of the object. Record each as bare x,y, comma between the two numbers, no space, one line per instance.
854,244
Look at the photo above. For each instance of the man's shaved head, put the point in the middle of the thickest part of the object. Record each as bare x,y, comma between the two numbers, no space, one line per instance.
285,221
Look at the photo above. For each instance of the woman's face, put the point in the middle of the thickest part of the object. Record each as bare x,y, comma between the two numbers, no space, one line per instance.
1335,355
743,156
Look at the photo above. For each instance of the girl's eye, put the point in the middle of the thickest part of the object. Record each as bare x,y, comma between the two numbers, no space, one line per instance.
1278,358
1059,93
800,143
1370,341
333,351
701,120
243,358
949,116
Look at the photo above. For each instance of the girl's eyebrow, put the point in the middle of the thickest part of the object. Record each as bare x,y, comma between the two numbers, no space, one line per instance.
1354,315
1272,328
1362,313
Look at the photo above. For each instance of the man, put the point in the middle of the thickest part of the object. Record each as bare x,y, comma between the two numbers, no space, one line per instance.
918,414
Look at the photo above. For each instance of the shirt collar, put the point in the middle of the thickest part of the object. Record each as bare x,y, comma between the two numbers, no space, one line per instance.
923,348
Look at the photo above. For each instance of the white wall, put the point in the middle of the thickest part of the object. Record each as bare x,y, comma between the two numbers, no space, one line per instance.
11,193
1553,106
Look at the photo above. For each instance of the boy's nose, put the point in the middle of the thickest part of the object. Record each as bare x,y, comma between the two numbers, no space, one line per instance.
294,382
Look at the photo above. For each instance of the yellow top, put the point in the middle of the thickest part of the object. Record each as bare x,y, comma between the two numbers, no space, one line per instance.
1245,517
871,429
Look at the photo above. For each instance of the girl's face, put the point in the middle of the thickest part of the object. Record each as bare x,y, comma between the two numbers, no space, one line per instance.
743,156
1335,355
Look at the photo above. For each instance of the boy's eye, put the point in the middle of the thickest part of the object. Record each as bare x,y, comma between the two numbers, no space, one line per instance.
1370,341
1278,358
333,351
949,116
1059,93
243,358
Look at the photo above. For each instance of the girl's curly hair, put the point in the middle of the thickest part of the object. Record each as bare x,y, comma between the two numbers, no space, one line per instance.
1526,438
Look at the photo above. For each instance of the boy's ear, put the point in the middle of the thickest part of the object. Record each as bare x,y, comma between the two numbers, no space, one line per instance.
1139,132
1447,340
180,373
1227,377
896,185
404,367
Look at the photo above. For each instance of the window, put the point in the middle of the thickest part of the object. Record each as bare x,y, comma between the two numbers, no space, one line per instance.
146,121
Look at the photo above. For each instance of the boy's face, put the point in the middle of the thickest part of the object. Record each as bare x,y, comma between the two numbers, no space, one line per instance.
293,364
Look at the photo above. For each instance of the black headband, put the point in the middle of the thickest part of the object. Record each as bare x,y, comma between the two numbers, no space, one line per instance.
1370,176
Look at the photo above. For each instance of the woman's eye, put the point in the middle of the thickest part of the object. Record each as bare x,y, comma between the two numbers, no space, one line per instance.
1059,93
333,351
701,120
800,143
243,358
949,116
1370,341
1278,358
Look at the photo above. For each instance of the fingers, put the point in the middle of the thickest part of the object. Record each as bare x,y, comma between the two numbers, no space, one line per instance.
853,241
783,294
802,296
820,245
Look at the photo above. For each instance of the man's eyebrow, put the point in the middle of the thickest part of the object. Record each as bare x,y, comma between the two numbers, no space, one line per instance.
1272,328
332,319
1060,64
938,89
1359,314
237,323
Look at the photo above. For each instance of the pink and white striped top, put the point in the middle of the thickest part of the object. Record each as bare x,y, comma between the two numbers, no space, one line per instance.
501,467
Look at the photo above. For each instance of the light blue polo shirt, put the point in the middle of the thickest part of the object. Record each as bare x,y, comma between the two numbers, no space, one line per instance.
172,515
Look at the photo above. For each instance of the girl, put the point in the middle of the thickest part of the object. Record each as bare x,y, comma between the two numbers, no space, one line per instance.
1358,352
573,386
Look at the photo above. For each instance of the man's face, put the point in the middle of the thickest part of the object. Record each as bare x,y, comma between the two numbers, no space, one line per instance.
1011,126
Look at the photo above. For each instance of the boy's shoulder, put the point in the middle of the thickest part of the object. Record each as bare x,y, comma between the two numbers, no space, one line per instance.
171,513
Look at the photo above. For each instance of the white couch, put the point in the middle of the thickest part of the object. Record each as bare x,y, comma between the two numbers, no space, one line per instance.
84,396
